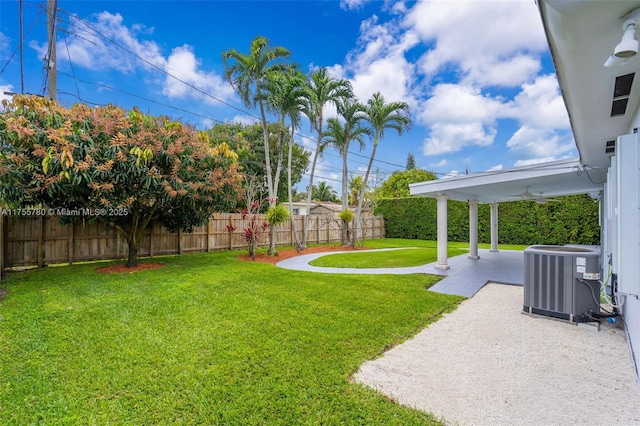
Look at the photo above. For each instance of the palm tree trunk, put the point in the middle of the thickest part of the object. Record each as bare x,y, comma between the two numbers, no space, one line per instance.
267,158
309,190
289,190
345,196
276,182
357,228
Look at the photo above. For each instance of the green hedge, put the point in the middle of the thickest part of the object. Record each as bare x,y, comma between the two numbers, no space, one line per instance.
572,220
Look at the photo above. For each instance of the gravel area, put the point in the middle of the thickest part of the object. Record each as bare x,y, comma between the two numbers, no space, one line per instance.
486,363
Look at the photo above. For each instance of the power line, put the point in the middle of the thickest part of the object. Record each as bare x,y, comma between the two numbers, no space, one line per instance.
204,92
92,31
23,36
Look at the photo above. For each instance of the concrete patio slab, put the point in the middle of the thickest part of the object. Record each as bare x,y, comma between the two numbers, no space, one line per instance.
465,277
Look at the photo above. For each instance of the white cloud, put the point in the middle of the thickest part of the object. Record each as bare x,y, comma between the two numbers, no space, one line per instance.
495,168
5,43
503,72
488,41
440,163
352,4
5,88
183,64
530,162
89,47
246,120
452,173
535,143
378,63
458,116
130,52
540,105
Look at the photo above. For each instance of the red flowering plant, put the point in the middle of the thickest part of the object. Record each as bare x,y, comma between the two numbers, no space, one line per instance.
255,227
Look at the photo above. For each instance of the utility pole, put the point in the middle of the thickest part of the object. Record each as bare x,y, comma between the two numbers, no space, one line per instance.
52,68
21,44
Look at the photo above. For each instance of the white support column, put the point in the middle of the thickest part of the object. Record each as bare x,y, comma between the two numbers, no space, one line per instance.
473,229
494,227
442,233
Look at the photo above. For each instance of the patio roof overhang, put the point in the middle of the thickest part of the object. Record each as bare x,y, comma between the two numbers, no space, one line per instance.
551,179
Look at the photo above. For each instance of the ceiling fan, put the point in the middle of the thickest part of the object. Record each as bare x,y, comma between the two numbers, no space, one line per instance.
539,198
526,195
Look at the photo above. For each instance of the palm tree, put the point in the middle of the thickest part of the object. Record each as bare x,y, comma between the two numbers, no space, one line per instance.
381,116
324,192
322,90
247,73
340,136
286,95
356,183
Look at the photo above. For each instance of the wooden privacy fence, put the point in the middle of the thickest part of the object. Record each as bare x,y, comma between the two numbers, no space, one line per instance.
44,240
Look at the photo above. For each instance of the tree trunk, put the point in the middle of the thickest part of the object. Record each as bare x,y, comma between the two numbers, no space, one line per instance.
132,258
289,192
345,196
345,234
305,231
272,243
357,225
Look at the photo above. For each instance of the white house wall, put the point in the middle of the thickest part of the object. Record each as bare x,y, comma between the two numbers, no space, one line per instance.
631,307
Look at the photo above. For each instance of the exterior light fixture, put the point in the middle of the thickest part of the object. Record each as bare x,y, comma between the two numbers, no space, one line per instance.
628,46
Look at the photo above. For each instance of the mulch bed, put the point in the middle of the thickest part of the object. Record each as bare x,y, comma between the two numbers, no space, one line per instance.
260,257
288,253
116,269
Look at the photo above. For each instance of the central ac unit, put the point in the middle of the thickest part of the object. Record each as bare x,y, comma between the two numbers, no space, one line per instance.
561,281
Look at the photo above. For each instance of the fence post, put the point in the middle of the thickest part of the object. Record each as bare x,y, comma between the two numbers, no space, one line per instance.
206,243
151,239
179,241
40,247
231,233
70,243
118,244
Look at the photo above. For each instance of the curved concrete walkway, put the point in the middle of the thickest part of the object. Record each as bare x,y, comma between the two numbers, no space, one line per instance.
465,277
301,263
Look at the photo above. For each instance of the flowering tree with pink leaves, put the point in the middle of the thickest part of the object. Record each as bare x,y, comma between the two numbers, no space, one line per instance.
134,167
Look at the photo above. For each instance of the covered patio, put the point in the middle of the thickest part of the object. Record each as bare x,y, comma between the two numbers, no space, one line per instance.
535,182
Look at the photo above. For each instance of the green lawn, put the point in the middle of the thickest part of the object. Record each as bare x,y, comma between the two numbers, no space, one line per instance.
207,339
415,253
406,257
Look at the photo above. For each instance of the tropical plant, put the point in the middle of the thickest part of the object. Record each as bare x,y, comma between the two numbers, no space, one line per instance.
356,183
339,135
247,142
323,90
381,116
255,228
248,73
324,192
397,185
286,95
125,169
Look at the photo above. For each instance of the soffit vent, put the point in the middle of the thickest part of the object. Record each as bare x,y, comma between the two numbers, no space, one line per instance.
623,85
619,107
621,92
610,147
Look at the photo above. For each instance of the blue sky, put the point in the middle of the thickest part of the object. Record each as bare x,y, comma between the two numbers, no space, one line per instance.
477,74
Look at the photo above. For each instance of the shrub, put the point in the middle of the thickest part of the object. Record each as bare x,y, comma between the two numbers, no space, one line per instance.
572,220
